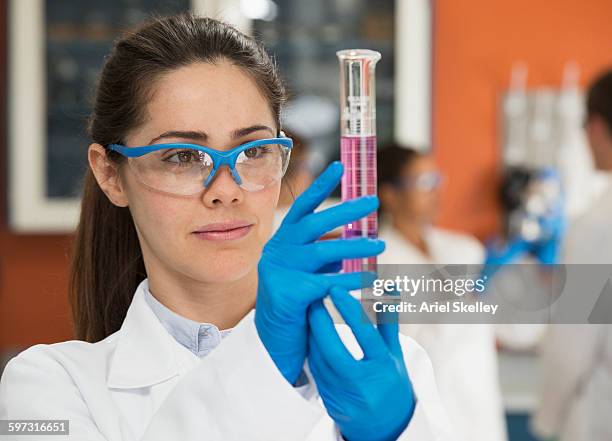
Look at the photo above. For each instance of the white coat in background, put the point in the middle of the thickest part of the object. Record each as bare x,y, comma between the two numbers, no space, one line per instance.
575,402
139,383
463,355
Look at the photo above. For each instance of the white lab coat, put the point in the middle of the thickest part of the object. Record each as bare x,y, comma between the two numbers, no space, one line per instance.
463,355
140,384
575,401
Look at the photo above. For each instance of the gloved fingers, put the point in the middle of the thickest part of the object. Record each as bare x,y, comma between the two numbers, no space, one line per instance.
316,193
331,267
323,331
327,251
350,281
322,371
314,225
331,385
388,328
292,284
285,282
311,257
371,342
314,287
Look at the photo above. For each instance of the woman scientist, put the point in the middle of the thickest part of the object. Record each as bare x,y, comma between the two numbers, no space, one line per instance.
169,258
463,355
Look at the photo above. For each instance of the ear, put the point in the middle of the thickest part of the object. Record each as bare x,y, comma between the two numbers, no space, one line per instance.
107,175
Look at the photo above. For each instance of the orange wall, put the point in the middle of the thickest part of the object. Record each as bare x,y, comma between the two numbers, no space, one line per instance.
475,44
33,281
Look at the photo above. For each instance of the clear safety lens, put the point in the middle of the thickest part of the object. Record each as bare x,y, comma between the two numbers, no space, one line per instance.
425,181
183,171
428,181
176,171
262,166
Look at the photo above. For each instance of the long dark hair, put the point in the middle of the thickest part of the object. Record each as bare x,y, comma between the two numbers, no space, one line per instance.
107,263
599,97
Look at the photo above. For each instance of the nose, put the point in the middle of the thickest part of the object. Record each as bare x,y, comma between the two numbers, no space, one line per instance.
222,190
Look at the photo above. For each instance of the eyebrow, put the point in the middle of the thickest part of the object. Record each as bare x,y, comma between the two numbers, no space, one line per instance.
202,136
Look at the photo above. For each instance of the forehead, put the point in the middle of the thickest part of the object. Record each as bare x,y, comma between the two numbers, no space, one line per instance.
215,98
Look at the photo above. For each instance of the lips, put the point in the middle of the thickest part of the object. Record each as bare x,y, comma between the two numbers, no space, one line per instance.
224,231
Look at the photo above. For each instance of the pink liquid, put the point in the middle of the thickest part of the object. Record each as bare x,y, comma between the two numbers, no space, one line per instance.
358,155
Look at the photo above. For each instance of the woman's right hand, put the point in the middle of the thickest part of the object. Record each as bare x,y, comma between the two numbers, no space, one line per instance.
292,265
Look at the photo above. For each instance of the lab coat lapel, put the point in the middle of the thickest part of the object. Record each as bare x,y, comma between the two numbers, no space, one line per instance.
144,355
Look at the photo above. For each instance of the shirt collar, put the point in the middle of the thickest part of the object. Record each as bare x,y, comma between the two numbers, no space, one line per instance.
199,338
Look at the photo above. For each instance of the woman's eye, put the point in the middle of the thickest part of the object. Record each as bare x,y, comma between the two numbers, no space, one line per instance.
251,153
185,157
256,152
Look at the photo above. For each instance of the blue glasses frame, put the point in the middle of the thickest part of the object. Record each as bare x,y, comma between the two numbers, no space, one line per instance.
219,157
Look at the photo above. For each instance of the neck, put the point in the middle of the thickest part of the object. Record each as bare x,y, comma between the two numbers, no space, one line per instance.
411,230
223,304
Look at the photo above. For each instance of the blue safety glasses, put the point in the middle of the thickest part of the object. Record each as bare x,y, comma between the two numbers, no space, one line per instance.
185,169
425,181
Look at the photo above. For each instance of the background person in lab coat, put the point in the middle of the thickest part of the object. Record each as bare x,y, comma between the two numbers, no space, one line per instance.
192,323
464,356
575,402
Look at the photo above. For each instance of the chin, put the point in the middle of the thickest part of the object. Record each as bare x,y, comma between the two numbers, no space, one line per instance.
228,266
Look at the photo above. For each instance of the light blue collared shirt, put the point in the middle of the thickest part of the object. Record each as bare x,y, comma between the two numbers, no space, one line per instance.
199,338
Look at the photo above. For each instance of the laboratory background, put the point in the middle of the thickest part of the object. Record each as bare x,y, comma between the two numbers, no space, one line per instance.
483,101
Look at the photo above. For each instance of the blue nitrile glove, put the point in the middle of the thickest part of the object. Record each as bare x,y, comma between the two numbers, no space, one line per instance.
502,254
498,255
552,221
369,399
547,250
291,266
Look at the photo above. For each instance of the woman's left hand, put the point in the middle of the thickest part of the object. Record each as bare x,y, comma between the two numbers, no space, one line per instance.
293,269
369,399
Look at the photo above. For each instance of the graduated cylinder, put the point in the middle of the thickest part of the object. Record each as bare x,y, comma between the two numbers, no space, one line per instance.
358,142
